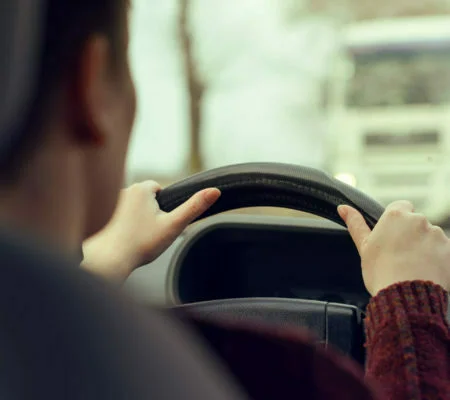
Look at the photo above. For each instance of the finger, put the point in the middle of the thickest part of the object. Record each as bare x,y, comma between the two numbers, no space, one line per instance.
143,189
401,205
438,232
356,224
151,186
193,208
151,189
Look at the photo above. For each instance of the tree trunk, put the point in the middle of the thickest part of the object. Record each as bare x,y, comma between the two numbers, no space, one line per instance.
195,88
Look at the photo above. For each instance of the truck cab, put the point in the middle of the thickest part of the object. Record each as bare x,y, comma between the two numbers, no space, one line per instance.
389,112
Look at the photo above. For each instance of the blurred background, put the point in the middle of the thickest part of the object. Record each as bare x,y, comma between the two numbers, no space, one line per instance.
358,88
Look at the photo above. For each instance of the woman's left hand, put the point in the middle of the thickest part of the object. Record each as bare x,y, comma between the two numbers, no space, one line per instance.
139,232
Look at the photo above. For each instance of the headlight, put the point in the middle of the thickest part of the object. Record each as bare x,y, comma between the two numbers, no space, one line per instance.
347,178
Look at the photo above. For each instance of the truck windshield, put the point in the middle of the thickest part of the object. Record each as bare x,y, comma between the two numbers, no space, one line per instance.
401,75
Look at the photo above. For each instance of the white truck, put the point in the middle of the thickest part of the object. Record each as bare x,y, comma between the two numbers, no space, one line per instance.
389,112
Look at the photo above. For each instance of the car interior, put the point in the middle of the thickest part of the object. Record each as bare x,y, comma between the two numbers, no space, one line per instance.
280,271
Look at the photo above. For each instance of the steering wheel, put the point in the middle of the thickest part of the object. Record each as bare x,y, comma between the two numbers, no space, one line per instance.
289,186
272,184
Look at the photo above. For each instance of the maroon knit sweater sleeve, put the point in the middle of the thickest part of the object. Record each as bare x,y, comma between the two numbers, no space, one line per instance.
408,341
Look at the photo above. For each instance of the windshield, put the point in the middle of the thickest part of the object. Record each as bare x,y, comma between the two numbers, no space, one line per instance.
227,82
399,76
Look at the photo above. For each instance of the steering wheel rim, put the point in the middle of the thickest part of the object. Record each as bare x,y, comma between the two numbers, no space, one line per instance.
289,186
276,185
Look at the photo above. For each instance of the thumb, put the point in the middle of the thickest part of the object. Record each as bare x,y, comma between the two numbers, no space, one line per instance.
357,226
193,208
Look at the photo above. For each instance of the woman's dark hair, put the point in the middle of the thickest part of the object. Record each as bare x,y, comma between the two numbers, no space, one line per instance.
68,25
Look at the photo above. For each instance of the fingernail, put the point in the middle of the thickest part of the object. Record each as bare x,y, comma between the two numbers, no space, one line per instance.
342,211
211,195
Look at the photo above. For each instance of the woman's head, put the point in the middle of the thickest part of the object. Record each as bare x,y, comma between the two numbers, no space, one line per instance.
79,124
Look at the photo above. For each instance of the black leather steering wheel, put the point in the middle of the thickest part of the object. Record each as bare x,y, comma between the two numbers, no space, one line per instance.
272,184
288,186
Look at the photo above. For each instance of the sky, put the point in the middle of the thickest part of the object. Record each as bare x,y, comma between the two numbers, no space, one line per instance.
262,81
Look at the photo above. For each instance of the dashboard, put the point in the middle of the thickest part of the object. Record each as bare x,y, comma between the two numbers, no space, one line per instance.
240,256
262,258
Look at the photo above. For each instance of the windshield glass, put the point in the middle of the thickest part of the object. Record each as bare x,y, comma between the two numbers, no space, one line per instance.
227,82
399,76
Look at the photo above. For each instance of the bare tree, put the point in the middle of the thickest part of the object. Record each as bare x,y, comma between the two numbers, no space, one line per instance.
194,85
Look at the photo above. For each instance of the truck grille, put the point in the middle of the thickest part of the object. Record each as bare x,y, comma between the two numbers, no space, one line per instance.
392,140
419,203
401,179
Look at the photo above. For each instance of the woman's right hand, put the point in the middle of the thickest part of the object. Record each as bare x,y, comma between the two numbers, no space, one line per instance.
403,246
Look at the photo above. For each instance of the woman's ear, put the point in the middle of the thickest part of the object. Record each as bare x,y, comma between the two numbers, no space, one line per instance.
89,93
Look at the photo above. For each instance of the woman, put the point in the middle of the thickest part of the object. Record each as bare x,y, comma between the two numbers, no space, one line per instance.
62,167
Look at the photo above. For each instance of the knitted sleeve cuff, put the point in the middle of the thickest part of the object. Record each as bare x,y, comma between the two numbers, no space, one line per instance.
401,300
